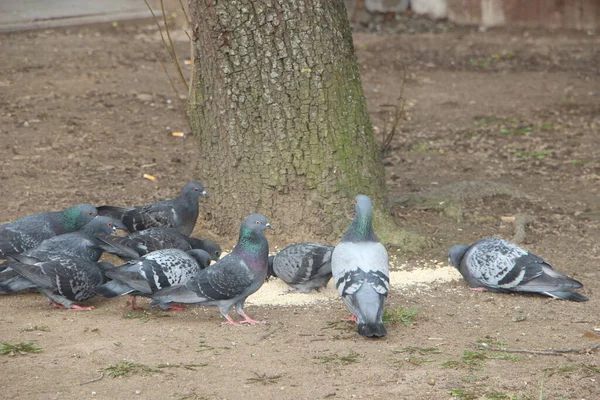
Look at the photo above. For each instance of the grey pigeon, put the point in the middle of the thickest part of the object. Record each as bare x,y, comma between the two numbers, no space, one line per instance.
149,240
154,271
360,271
180,213
230,280
85,243
30,231
496,265
303,266
64,282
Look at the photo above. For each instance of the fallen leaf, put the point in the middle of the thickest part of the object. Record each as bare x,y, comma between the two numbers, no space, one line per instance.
150,177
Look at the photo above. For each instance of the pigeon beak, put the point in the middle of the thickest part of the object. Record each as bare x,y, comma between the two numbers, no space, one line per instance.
205,194
269,226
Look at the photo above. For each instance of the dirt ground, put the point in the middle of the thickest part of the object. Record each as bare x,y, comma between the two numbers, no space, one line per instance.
85,112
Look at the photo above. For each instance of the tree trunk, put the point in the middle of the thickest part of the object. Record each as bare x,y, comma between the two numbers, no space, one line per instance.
278,109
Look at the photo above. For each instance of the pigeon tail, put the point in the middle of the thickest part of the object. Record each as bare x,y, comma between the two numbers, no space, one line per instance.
567,295
113,289
372,329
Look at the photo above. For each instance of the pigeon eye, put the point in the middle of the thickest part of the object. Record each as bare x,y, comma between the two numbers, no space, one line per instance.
196,190
90,213
110,224
257,222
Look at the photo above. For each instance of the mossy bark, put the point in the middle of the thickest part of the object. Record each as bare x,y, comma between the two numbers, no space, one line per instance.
278,109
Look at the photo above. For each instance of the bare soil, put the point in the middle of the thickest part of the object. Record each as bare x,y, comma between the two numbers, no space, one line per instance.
85,112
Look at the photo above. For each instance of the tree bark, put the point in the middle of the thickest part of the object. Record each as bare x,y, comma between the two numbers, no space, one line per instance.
277,106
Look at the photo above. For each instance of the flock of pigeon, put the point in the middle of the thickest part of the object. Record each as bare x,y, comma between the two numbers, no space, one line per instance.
58,253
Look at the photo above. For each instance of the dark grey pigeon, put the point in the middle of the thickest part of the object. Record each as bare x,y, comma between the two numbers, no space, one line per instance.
85,243
153,239
65,282
154,271
359,264
496,265
232,279
28,232
180,213
303,266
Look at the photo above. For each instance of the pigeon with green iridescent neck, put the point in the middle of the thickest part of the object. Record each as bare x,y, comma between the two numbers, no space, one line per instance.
153,239
65,281
359,265
180,213
28,232
154,271
230,280
496,265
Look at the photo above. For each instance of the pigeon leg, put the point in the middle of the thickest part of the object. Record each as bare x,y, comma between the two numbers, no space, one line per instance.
351,318
248,320
133,303
479,289
176,308
73,307
229,321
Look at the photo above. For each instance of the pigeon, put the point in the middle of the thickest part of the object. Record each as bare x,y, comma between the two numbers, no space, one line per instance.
154,271
180,213
85,243
64,281
153,239
496,265
30,231
230,280
303,266
359,264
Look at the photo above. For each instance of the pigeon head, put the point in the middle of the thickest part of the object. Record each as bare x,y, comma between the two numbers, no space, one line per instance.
77,217
252,240
456,254
193,189
201,256
101,224
207,245
361,229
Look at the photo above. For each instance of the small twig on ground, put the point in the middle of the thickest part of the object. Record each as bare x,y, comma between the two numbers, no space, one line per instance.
556,352
93,380
521,222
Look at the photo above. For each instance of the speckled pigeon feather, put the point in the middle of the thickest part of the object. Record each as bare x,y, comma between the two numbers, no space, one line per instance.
85,243
232,279
360,271
153,239
154,271
497,265
180,213
30,231
303,266
65,281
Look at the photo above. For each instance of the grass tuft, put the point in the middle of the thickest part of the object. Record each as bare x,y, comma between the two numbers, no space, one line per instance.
350,358
264,379
126,368
41,328
400,314
21,348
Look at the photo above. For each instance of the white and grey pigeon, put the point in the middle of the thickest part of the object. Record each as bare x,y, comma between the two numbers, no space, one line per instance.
496,265
230,280
149,240
65,282
152,272
86,243
360,271
180,213
28,232
304,266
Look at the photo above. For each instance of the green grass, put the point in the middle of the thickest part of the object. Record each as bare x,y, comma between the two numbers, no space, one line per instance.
471,394
215,350
538,155
191,367
572,368
264,379
145,316
350,358
400,314
474,359
126,368
516,131
41,328
421,350
7,349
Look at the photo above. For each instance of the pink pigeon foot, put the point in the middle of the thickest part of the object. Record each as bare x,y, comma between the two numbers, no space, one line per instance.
74,307
176,308
230,321
250,321
351,318
479,289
